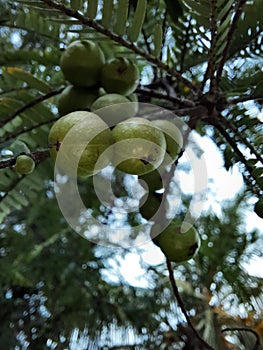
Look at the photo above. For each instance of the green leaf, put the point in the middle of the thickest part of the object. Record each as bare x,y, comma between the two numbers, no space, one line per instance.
76,4
174,9
107,10
28,78
92,9
121,17
18,147
157,40
139,16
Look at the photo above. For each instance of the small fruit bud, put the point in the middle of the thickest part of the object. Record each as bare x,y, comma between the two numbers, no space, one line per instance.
24,165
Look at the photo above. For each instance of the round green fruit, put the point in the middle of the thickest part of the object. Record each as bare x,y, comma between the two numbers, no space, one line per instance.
121,108
81,63
74,98
86,125
258,208
151,205
173,137
139,147
176,245
120,75
153,180
24,165
133,97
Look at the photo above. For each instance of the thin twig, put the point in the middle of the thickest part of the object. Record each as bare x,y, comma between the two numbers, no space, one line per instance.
233,128
211,66
239,154
244,98
181,101
38,156
231,31
100,29
181,305
184,45
257,344
33,127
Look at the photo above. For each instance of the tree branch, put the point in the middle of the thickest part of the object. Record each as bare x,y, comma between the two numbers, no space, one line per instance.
257,344
38,156
211,66
181,101
181,305
228,40
241,157
233,128
100,29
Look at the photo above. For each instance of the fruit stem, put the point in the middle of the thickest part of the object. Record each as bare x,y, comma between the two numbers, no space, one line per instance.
181,305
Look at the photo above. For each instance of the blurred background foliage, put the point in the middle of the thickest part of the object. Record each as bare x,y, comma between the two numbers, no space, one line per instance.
60,291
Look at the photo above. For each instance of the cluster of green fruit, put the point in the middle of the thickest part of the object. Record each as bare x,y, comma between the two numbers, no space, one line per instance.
94,82
132,144
137,146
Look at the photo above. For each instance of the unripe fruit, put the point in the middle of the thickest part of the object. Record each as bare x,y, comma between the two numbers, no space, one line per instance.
153,180
151,205
86,125
179,246
139,147
120,75
173,137
121,108
75,98
24,165
258,208
133,97
81,63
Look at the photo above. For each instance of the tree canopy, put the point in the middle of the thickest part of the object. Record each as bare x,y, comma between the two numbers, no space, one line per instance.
200,61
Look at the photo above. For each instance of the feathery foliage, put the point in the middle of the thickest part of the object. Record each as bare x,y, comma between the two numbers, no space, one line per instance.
201,59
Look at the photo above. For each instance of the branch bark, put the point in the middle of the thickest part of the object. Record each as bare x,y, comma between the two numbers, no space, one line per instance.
38,156
181,305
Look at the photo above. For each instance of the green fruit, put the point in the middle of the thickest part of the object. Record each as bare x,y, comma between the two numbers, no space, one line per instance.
179,246
121,108
24,165
151,205
173,137
258,208
153,180
81,63
133,97
75,98
139,147
120,75
88,124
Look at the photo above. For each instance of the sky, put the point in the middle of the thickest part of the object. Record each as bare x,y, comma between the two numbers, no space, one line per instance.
222,185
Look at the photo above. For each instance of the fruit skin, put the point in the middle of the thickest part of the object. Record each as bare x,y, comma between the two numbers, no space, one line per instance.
258,208
93,125
153,180
178,246
74,98
173,137
133,97
139,147
151,205
120,75
121,108
24,165
81,63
